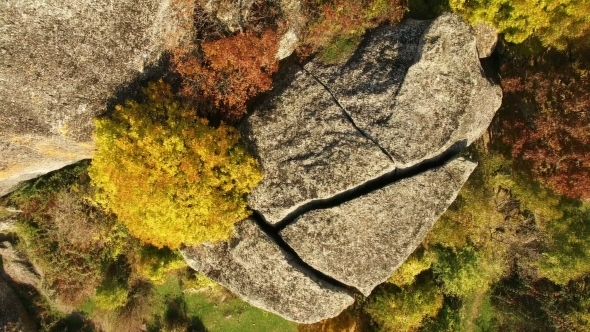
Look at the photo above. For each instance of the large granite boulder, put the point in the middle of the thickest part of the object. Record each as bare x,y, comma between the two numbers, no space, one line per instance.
253,266
417,89
359,161
60,62
307,147
411,93
363,241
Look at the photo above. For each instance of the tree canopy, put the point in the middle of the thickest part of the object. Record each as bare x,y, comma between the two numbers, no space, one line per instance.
169,176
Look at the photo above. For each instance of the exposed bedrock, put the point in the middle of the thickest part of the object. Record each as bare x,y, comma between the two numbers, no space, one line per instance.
13,316
363,241
61,61
257,269
410,93
359,161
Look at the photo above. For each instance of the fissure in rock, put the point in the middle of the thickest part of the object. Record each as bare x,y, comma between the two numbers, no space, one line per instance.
273,231
347,114
274,235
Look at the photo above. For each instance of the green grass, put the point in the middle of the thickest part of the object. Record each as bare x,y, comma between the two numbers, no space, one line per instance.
222,313
478,314
340,49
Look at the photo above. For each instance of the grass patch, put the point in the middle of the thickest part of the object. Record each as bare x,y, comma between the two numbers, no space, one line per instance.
340,49
225,313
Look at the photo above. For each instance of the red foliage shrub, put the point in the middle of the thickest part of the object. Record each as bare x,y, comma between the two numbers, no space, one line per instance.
231,71
546,121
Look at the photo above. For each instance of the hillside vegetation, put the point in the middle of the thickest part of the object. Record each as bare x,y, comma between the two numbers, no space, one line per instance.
510,254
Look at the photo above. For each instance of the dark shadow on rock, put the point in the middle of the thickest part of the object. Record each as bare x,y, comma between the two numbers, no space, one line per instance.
132,90
273,234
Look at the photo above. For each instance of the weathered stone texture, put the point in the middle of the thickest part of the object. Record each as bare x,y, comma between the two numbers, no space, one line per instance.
60,62
363,241
418,89
254,267
307,147
486,37
17,266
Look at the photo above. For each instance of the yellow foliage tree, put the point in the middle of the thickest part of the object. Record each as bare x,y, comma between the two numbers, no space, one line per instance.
167,175
554,22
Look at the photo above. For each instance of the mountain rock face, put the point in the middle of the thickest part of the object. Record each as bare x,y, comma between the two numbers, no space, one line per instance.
60,62
359,161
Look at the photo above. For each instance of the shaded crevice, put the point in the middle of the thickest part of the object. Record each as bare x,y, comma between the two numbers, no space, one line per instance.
347,114
273,231
372,185
297,261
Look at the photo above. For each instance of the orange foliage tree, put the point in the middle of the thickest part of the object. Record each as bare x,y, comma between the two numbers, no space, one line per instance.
546,120
231,70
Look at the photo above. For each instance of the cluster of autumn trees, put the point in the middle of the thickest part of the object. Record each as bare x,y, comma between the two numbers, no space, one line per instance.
512,252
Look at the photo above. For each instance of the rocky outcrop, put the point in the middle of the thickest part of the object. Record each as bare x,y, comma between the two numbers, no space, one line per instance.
359,161
409,94
253,266
13,316
307,147
363,241
60,62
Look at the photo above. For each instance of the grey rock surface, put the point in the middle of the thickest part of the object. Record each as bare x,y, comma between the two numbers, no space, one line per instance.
13,316
60,62
254,267
363,241
409,93
307,147
234,15
486,37
417,89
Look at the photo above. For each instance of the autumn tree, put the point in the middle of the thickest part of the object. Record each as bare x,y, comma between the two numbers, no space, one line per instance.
169,176
230,72
403,309
556,23
545,120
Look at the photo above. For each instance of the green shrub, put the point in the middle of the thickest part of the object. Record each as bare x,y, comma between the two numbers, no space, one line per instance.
111,295
167,175
403,309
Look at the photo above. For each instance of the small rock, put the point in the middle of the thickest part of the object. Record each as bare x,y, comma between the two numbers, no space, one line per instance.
486,37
